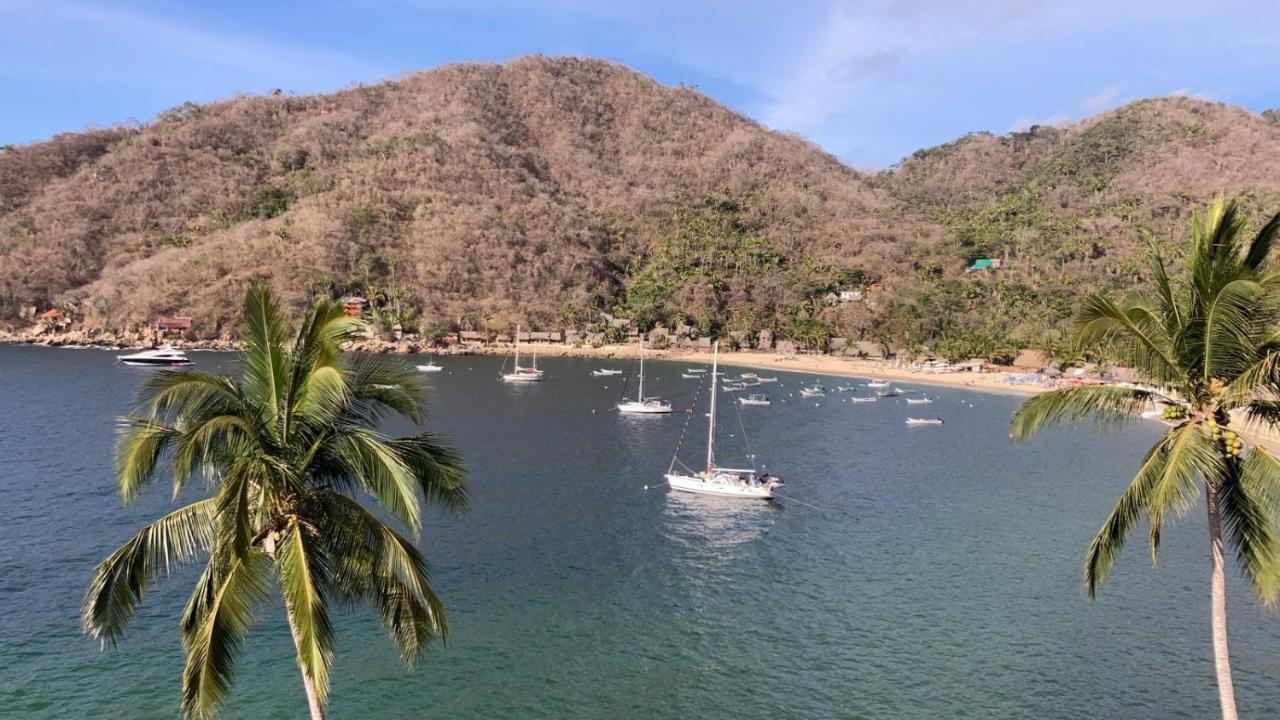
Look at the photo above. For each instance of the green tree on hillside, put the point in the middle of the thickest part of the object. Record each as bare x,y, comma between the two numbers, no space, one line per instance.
288,447
1212,341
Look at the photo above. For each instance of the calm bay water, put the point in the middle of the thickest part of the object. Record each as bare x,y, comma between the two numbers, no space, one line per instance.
917,573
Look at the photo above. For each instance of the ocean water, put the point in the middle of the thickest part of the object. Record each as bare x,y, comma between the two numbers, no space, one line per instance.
910,573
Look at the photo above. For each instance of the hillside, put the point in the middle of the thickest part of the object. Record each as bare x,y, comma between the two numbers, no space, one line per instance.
1073,208
473,194
546,190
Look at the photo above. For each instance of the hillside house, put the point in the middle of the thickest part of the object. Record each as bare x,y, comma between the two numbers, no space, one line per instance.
54,318
172,325
983,265
354,305
472,336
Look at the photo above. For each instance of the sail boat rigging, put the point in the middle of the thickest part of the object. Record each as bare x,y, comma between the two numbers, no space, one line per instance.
724,482
523,374
642,404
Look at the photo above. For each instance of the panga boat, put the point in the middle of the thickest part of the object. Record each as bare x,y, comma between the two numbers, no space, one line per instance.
696,371
723,482
642,404
605,372
891,392
919,401
863,399
167,356
430,367
754,399
815,391
690,376
767,380
522,374
924,421
879,384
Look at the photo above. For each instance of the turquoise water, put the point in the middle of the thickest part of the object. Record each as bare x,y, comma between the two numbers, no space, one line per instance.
916,573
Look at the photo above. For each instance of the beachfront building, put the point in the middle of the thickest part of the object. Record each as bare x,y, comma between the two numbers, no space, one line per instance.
172,325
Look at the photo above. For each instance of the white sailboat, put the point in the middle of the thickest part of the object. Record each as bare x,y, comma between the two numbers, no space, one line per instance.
723,482
523,374
642,404
431,367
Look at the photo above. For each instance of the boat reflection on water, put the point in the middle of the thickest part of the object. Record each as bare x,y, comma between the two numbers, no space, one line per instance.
711,530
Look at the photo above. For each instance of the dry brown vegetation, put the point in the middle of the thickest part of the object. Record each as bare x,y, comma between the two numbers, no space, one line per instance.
544,190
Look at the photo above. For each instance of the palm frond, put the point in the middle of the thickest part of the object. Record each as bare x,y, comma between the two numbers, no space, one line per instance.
303,575
382,383
141,443
120,581
1106,404
367,460
1230,327
1137,332
219,619
265,362
438,468
376,564
1106,545
1260,249
1248,495
1190,456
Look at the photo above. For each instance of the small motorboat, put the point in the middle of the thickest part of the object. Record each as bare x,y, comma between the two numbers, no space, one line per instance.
891,392
815,391
430,367
919,401
879,384
766,380
696,371
863,399
167,356
924,421
605,372
691,376
754,399
732,386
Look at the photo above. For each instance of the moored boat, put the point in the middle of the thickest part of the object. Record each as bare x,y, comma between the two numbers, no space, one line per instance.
754,399
166,356
924,421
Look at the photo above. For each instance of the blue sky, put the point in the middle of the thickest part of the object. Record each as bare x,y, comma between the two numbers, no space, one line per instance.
868,81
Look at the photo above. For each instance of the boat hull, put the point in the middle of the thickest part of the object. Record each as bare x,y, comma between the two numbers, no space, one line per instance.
643,408
156,363
686,483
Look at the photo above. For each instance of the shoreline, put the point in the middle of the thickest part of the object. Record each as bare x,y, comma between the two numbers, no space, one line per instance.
828,365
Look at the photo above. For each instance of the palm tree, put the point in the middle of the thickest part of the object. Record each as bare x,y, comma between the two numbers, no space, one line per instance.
1211,341
287,447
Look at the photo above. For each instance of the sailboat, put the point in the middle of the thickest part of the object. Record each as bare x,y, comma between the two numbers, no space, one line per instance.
643,404
723,482
523,374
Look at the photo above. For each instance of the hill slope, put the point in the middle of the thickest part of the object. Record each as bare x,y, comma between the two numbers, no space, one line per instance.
546,190
473,193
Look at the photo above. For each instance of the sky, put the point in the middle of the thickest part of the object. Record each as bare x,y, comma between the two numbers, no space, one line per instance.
868,81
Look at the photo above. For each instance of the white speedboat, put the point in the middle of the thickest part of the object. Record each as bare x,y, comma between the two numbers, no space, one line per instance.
879,384
815,391
745,483
605,372
696,371
766,380
522,374
754,399
167,356
691,376
431,366
891,392
919,401
644,405
924,421
863,399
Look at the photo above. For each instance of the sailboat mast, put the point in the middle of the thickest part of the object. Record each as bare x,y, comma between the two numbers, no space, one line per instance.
711,425
517,367
640,393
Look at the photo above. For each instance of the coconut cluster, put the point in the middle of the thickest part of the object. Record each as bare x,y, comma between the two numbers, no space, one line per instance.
1230,440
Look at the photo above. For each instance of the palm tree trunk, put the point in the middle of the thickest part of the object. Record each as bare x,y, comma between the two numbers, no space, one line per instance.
1218,606
317,712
